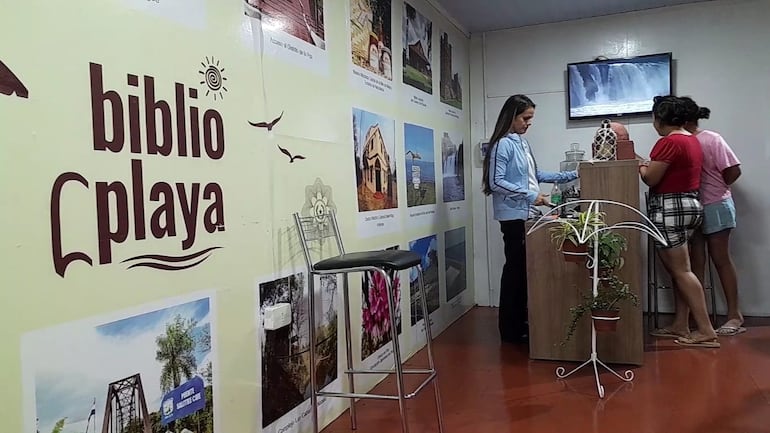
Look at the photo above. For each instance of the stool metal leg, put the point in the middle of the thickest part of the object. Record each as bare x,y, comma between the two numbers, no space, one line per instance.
396,352
713,290
655,290
349,350
429,348
312,348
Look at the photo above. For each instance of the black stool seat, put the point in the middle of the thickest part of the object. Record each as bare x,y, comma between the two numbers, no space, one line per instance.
388,259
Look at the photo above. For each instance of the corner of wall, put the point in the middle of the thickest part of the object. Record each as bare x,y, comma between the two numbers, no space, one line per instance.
478,133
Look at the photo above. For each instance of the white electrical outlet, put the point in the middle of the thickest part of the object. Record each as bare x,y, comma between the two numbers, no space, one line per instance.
277,316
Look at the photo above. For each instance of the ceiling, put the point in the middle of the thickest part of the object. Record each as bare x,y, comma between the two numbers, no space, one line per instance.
485,15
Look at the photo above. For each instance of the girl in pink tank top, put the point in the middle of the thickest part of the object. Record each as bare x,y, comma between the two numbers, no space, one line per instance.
720,169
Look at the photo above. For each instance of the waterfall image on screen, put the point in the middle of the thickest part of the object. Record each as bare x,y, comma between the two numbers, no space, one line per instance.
617,87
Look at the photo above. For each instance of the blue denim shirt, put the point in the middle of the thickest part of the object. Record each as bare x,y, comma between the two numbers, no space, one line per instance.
509,178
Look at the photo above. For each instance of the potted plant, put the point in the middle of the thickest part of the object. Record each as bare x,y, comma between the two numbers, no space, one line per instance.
607,248
566,235
604,308
611,245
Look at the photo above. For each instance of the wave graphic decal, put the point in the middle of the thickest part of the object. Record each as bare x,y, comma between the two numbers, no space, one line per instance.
170,263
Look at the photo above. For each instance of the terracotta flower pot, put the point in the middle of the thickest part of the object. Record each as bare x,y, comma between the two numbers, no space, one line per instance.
574,253
605,321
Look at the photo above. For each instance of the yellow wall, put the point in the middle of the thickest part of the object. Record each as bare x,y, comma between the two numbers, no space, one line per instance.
62,329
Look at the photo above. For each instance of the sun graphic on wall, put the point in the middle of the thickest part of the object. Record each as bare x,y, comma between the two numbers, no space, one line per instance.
213,78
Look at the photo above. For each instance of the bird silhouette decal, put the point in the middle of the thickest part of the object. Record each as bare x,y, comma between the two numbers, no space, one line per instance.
268,125
287,153
10,83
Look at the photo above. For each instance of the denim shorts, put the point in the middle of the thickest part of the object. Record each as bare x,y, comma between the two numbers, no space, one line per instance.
718,216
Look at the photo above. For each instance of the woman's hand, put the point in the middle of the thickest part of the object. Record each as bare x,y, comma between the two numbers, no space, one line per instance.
541,200
643,165
651,172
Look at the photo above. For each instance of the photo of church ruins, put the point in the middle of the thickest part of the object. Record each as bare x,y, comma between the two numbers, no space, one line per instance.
450,89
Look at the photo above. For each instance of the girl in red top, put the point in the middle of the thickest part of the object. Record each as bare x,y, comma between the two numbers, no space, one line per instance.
673,175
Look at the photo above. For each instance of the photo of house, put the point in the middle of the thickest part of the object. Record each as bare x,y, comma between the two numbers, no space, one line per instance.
451,91
417,38
370,36
374,153
452,167
303,19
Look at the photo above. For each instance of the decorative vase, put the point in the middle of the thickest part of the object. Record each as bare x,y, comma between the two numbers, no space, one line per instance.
605,142
574,253
605,320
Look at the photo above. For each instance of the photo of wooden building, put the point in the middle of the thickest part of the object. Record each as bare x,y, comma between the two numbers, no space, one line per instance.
303,19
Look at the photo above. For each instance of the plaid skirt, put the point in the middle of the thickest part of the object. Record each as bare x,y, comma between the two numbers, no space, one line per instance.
675,215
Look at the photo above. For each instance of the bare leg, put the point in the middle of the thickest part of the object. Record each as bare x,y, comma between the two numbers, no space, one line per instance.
698,259
681,323
681,310
698,255
719,250
677,262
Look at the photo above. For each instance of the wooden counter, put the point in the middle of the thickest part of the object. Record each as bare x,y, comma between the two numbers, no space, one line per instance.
555,285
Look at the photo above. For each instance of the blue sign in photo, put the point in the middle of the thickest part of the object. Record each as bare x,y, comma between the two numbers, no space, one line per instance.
182,401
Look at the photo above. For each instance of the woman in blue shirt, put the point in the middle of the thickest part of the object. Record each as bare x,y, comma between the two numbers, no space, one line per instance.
512,178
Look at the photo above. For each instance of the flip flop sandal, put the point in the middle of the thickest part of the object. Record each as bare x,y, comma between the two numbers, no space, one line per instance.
711,343
729,331
666,333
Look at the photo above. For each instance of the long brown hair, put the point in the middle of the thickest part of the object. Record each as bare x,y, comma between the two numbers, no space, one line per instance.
514,106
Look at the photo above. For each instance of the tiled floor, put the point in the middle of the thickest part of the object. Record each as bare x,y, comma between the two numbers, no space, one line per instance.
486,387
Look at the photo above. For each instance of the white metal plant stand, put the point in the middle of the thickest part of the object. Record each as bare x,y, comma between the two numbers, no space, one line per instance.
589,233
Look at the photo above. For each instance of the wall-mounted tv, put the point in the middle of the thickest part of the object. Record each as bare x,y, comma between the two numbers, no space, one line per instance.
617,87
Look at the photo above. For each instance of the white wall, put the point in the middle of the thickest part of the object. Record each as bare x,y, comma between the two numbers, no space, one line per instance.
721,55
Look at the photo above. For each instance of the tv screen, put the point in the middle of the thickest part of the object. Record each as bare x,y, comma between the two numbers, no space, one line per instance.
617,87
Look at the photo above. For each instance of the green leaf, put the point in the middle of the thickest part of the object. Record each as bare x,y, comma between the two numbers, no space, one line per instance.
59,426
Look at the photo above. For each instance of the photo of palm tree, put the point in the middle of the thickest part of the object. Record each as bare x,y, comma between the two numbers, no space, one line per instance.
128,370
286,351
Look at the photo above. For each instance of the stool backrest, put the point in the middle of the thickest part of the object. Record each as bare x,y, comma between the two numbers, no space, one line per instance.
314,230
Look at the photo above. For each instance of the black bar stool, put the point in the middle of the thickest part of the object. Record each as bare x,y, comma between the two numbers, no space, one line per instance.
312,232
